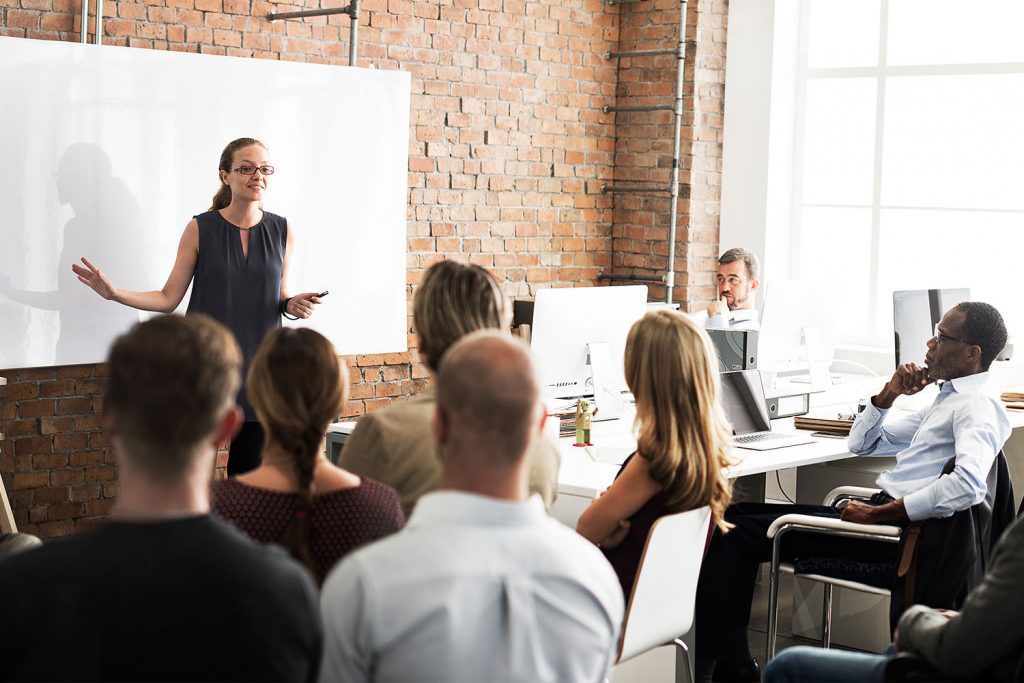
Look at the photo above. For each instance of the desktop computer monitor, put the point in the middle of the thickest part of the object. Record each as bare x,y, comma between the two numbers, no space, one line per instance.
570,323
915,313
796,330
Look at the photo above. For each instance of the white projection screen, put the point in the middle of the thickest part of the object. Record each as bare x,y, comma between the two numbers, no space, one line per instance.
107,153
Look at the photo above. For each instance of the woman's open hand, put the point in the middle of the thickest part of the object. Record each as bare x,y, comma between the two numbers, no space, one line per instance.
95,279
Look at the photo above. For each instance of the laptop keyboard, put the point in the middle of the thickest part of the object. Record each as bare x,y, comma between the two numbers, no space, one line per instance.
763,436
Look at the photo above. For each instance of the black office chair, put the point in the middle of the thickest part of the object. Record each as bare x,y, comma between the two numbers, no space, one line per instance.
931,569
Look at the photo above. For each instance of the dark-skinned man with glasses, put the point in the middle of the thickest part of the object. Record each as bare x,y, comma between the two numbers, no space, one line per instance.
964,422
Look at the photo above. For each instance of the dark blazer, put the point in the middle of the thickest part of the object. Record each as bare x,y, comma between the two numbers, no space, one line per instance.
953,552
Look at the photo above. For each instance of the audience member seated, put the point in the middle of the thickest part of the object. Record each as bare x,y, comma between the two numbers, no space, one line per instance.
164,591
396,445
737,281
481,585
13,544
983,642
296,497
683,440
964,422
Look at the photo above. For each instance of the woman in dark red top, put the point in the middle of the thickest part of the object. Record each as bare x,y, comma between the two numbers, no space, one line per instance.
682,442
296,497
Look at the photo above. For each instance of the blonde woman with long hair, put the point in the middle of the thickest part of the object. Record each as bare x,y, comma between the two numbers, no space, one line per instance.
683,438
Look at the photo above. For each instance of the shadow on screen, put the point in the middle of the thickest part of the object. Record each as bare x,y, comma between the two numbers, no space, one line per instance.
107,229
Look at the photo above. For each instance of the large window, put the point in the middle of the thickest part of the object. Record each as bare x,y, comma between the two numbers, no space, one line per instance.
909,160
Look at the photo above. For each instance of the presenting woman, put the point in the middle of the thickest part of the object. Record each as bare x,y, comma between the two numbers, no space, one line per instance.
236,257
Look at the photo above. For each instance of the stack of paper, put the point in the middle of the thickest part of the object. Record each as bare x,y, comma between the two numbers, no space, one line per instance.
1014,399
832,424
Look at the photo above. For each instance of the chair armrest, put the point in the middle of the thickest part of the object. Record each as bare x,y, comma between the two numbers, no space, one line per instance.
848,492
827,524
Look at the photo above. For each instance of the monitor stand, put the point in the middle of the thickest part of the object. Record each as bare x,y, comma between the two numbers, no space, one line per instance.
609,402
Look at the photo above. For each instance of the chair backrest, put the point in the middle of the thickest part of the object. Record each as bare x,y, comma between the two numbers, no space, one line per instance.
951,555
665,591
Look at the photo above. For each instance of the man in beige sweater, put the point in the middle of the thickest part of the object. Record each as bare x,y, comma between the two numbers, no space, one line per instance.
396,445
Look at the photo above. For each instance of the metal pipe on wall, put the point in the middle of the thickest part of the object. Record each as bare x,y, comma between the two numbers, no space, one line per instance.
670,273
99,22
275,16
353,33
85,21
352,10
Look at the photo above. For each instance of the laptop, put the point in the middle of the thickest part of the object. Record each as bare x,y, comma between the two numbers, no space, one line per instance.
744,404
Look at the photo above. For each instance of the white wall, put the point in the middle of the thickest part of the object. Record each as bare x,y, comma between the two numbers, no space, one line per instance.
760,119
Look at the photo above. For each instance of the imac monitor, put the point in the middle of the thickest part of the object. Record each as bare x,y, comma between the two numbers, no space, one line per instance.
568,322
797,324
915,313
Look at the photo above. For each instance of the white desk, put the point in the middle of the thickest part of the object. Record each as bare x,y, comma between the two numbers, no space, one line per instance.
581,478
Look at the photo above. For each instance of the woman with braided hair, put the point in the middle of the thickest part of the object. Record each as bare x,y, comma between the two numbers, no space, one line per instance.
297,498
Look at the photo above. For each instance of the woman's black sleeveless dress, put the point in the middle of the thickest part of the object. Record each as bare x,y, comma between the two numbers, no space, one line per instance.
244,294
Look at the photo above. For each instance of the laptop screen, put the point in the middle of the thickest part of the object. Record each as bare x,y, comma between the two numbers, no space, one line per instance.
743,401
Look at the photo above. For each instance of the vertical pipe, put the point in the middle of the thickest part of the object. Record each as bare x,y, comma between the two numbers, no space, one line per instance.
353,32
85,21
773,598
826,616
99,22
670,273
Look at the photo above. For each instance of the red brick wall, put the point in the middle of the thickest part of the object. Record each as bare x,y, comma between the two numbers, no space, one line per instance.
644,146
508,149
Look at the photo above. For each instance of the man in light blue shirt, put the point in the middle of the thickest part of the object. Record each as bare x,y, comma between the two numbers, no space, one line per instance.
963,421
481,585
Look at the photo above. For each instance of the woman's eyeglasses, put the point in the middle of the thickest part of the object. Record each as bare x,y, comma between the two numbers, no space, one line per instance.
249,169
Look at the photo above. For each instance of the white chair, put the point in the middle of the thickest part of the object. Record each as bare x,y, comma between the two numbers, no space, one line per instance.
826,526
661,606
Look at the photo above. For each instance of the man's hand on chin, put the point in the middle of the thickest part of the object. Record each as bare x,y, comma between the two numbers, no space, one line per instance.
718,307
862,513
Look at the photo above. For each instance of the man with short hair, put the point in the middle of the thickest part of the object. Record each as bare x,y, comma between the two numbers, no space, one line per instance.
164,591
481,584
737,280
964,422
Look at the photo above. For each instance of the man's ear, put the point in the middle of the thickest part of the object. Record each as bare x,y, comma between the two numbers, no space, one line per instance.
974,354
543,420
754,283
229,425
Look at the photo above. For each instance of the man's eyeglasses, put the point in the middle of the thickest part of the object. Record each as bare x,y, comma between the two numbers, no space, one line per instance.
249,169
941,337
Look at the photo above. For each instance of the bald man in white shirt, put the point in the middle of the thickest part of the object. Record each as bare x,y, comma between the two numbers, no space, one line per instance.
481,585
